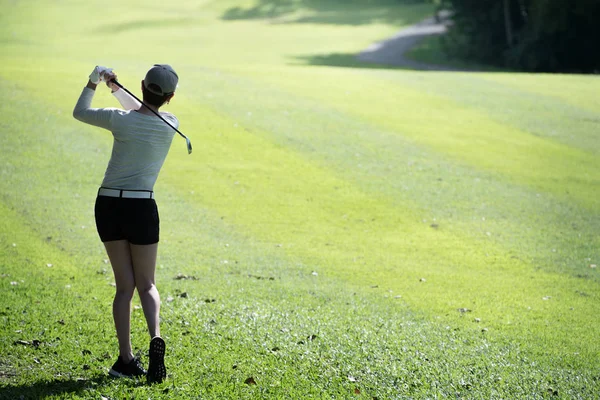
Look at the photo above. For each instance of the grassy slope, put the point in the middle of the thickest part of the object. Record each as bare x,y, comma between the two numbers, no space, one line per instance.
483,184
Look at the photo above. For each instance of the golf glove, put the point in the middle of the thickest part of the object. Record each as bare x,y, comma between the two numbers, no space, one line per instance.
97,74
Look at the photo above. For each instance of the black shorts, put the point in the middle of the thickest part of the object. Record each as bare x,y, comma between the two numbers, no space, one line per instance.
135,220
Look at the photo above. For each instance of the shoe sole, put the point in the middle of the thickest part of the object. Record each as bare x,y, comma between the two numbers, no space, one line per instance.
116,374
157,372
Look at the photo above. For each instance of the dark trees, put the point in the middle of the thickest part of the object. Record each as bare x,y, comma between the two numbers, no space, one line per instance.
532,35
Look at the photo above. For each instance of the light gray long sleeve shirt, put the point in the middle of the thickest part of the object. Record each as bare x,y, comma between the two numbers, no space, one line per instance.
141,142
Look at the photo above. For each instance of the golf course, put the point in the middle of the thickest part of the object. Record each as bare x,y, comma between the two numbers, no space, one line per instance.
341,230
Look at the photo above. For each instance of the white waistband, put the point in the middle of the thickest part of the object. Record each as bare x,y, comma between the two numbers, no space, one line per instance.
127,194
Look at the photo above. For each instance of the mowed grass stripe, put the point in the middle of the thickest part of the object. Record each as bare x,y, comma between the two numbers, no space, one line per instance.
445,191
549,113
577,90
278,197
438,123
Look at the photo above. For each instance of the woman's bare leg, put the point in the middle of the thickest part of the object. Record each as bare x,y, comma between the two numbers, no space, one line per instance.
144,267
119,254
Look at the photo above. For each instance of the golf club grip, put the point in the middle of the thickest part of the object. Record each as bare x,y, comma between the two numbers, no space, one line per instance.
144,104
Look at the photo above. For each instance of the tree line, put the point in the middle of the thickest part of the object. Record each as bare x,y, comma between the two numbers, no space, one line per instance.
530,35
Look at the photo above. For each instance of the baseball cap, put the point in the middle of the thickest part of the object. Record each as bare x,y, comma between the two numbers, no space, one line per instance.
164,77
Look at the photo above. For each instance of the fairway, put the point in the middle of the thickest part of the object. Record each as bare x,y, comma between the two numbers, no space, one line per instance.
348,231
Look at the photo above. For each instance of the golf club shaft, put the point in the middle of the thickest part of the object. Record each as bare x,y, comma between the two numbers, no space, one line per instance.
144,104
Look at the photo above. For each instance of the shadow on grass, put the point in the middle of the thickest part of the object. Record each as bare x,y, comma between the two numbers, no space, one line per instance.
133,25
352,60
58,387
335,12
343,60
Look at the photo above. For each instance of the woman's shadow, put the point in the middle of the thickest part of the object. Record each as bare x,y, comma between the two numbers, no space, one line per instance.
43,388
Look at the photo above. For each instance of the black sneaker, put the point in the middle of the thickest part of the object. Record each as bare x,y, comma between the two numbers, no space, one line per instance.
157,372
131,370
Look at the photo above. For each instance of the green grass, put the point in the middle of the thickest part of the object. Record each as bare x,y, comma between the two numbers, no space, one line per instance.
334,224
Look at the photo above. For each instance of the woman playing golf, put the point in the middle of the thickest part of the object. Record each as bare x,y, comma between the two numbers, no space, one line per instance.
126,214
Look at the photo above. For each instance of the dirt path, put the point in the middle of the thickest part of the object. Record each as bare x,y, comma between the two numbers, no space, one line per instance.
391,51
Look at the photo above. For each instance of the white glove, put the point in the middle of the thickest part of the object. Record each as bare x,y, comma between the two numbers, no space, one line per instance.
98,74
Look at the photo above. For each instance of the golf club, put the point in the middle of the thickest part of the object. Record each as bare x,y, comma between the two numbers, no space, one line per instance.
187,141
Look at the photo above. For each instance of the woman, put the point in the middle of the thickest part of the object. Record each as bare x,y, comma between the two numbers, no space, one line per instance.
126,214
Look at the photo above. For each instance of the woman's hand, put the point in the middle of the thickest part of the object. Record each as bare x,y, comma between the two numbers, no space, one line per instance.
98,74
109,82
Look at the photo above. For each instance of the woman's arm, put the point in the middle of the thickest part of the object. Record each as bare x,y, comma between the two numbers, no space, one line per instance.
83,112
127,101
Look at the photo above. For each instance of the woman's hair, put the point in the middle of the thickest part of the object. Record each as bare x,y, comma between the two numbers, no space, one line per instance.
154,99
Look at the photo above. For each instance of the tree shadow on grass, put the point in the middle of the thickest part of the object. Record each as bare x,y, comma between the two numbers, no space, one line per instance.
353,60
58,387
343,60
334,12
